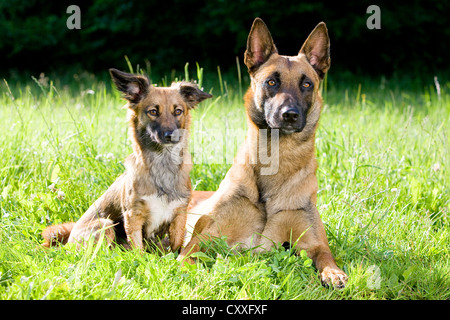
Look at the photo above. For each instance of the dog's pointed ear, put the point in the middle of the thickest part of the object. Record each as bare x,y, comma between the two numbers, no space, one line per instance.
192,94
260,46
317,49
134,87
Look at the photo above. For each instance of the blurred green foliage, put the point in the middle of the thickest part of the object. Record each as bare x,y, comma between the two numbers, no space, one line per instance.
170,33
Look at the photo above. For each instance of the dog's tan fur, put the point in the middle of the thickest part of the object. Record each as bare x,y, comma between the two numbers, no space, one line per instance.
256,210
151,197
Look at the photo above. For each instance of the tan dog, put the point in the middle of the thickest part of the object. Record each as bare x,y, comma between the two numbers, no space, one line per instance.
151,197
256,206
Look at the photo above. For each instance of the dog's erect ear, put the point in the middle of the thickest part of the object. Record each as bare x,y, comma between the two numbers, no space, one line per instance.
192,94
260,46
317,49
134,87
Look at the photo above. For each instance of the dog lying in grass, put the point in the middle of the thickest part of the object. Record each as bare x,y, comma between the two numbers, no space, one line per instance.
150,198
258,205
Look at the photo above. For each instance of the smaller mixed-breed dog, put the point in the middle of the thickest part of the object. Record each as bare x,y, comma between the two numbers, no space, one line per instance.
150,199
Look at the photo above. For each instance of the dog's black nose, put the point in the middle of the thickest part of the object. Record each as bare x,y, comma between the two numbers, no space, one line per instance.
168,135
290,115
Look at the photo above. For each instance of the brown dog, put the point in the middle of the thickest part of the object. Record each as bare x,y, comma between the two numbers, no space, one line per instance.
257,205
151,197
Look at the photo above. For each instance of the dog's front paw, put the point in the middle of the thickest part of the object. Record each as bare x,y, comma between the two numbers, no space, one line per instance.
333,276
185,260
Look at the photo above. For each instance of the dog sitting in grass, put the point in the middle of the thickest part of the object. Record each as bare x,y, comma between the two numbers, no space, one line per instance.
150,199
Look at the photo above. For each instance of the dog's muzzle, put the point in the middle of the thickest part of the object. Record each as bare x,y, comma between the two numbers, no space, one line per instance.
291,119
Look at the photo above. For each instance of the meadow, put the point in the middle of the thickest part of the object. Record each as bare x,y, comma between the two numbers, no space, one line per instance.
384,191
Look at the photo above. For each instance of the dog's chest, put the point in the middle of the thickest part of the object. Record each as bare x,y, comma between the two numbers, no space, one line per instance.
162,212
167,176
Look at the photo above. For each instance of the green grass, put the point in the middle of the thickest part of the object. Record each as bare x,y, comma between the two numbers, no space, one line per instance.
384,188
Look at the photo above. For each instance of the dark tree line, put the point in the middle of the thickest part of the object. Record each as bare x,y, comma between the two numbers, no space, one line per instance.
414,35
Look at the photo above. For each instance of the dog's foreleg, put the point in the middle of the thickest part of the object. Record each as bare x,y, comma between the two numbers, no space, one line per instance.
192,247
177,228
133,222
305,230
197,237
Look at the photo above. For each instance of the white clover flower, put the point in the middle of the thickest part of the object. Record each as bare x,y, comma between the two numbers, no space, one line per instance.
436,167
61,195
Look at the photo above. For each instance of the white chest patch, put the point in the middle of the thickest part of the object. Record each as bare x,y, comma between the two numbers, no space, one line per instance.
161,211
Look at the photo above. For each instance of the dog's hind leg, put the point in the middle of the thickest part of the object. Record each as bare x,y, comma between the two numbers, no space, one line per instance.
84,230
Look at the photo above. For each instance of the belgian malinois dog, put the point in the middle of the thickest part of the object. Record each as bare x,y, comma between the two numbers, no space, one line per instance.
253,209
151,197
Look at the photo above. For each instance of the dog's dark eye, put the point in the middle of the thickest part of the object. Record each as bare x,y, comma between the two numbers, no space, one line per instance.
152,112
271,82
178,112
307,84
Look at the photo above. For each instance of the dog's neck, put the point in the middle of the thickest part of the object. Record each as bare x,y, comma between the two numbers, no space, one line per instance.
166,170
167,165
